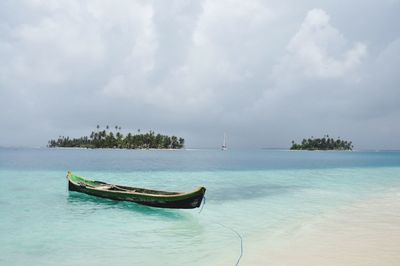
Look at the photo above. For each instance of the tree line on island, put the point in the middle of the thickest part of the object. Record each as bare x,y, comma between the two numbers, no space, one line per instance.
107,139
325,143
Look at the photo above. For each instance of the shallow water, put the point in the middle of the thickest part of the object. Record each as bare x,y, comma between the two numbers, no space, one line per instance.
258,193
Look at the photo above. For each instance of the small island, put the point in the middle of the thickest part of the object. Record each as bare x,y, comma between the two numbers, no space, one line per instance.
107,139
324,143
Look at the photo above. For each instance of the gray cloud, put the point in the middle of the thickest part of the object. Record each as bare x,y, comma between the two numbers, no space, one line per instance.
265,72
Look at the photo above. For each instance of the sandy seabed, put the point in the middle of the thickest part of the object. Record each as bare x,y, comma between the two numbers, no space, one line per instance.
365,233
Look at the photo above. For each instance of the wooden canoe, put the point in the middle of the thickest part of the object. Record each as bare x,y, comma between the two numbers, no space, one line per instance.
154,198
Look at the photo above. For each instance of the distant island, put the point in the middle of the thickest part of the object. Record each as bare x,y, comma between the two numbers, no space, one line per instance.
107,139
324,143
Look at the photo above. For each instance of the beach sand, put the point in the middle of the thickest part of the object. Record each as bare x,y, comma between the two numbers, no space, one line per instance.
365,233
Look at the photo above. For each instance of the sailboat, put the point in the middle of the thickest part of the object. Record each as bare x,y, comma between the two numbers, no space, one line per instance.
224,148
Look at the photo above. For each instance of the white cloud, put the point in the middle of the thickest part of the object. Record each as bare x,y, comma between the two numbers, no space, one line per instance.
210,61
226,51
319,50
230,19
116,86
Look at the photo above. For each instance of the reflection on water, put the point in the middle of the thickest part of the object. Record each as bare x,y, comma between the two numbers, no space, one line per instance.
96,203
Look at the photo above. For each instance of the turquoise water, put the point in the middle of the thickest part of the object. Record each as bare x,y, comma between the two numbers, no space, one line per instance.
258,193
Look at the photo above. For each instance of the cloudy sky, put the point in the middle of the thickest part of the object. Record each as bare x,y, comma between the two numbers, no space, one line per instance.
264,72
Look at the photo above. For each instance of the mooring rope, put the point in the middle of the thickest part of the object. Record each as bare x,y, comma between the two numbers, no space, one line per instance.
204,203
231,229
241,241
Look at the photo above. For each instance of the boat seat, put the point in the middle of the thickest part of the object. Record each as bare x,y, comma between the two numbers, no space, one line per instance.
106,187
121,189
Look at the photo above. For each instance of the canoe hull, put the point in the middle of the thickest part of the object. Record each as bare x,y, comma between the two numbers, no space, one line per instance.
180,201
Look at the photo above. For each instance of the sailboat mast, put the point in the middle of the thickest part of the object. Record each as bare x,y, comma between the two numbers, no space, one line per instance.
224,143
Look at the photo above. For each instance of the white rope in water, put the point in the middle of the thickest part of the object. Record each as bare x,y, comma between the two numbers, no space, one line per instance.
231,229
241,241
204,203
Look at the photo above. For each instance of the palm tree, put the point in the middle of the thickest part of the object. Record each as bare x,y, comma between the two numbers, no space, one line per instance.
119,139
181,142
174,142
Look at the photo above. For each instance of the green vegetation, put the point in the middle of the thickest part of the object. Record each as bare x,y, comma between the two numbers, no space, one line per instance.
324,143
108,139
